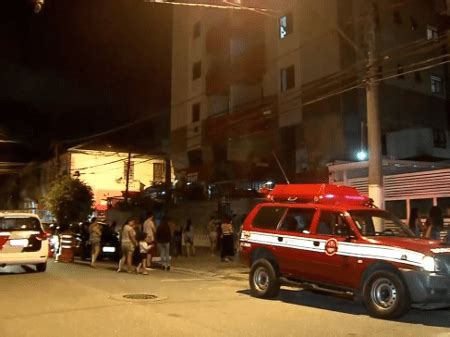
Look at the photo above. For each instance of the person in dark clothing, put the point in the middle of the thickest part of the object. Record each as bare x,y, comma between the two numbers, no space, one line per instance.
163,238
414,222
176,244
435,223
227,247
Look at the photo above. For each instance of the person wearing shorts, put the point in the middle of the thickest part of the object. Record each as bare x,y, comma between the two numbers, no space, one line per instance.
95,234
128,243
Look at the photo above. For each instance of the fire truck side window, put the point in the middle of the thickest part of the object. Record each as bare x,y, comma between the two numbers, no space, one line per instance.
298,220
332,223
268,217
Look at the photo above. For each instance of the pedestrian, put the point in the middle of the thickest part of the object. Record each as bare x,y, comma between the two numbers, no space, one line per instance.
95,234
128,244
188,233
163,237
211,230
434,224
227,251
177,240
149,229
414,222
144,247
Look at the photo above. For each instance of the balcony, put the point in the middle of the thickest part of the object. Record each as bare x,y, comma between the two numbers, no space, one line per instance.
248,68
245,120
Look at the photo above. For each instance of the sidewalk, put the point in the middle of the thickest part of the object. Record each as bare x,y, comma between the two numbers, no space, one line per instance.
206,265
203,264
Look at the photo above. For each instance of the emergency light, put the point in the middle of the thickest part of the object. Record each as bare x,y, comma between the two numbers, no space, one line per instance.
318,193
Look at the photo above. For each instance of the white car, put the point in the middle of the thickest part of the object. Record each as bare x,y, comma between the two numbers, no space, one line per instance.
23,241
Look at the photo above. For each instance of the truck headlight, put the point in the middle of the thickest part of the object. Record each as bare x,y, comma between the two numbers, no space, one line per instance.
428,263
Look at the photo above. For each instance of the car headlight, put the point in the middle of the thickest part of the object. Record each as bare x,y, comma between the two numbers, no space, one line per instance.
428,263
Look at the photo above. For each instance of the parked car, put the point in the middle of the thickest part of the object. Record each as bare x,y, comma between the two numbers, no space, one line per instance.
109,242
329,238
23,240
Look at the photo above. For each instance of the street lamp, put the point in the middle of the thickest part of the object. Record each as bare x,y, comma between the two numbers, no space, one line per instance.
37,5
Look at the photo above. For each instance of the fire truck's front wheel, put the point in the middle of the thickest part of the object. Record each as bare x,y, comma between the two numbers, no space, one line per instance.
264,282
385,295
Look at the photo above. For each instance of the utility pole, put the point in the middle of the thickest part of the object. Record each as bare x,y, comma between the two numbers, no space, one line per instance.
373,113
127,183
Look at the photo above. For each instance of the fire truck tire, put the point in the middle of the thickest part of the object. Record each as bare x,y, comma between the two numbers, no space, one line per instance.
264,282
41,267
385,295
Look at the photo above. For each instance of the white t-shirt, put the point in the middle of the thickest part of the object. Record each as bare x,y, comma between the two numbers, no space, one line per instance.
144,247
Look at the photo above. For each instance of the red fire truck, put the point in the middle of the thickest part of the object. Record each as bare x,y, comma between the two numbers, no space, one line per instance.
331,239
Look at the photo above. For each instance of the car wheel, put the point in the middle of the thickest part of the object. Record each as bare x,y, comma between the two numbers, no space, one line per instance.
41,267
264,282
385,295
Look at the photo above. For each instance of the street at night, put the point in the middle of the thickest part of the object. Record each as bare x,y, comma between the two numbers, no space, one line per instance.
225,168
208,300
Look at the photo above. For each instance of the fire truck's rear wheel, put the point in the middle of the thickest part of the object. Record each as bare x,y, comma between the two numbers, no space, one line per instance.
385,295
264,282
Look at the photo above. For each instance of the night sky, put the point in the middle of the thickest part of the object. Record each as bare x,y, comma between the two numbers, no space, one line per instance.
81,67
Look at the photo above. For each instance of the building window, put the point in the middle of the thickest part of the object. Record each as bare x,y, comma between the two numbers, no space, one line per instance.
436,84
125,170
287,78
158,172
418,77
432,32
400,71
197,70
439,138
397,17
196,112
197,30
286,26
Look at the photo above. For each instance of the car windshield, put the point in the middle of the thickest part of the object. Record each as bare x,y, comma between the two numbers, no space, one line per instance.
19,224
379,223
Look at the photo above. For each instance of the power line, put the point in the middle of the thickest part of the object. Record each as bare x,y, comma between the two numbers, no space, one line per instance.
227,5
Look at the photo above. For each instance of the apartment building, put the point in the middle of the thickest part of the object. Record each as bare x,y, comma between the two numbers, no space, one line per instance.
249,89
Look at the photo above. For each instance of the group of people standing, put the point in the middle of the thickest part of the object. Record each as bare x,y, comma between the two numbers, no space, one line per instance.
143,242
431,228
139,243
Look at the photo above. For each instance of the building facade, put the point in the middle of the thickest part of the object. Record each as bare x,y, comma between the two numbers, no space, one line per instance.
251,91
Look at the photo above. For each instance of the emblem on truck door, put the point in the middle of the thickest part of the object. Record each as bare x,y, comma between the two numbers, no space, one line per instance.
331,247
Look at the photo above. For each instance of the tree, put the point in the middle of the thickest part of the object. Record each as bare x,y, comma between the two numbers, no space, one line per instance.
70,200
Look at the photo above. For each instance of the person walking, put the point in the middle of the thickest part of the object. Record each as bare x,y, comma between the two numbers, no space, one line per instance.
188,232
149,229
435,223
144,247
163,237
128,243
227,251
95,234
211,230
177,240
414,222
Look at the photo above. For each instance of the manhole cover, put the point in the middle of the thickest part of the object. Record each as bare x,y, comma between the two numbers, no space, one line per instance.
140,297
137,298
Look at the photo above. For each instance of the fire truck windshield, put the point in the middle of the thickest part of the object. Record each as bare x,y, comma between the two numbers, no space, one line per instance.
375,222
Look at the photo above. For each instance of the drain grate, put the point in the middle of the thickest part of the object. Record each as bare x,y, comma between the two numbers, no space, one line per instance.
140,297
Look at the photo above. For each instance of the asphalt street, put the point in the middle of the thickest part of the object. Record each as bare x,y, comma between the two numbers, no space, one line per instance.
196,298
